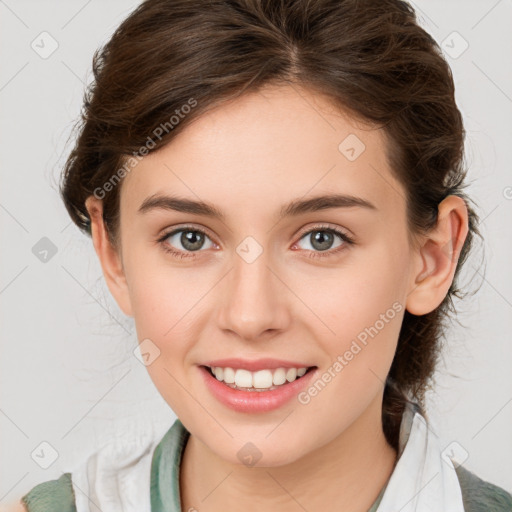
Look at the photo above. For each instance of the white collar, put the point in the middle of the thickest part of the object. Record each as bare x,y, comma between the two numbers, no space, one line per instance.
116,478
424,480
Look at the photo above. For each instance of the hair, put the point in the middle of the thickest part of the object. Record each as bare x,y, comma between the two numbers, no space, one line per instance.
171,61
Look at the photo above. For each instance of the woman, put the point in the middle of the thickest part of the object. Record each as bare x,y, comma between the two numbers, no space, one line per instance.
275,193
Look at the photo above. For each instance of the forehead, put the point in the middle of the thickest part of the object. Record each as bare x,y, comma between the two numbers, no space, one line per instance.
266,148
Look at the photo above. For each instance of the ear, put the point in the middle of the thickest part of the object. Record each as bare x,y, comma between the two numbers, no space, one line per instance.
436,257
109,256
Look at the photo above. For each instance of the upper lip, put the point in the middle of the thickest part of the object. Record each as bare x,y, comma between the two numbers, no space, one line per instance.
255,364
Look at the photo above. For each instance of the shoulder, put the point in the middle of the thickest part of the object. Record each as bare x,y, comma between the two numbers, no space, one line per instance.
124,470
117,473
479,495
120,467
54,495
13,507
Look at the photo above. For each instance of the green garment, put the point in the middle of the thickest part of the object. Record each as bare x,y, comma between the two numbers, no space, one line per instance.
54,495
57,495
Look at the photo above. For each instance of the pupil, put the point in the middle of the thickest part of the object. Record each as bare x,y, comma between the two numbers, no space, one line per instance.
322,240
192,240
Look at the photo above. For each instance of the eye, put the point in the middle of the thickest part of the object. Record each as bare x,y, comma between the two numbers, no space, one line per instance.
186,239
322,238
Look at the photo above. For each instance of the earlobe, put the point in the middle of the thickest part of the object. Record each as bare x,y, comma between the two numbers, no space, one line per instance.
437,257
109,256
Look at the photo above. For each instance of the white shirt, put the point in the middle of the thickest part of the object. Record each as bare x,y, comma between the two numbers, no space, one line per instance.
116,478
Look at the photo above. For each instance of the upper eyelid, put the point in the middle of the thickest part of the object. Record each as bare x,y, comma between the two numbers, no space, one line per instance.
171,231
320,227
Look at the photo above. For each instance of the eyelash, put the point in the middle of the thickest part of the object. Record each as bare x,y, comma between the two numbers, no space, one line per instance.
312,254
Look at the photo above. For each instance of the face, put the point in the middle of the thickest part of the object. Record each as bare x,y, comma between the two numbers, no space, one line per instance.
322,287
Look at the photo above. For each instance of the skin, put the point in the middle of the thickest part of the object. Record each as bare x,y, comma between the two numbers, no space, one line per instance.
13,507
249,157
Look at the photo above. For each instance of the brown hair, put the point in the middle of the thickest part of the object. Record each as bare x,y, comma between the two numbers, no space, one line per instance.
370,57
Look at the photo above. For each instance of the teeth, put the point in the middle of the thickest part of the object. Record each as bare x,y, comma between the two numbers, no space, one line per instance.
262,379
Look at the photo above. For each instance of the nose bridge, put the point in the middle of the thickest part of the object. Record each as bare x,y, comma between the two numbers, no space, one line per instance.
254,301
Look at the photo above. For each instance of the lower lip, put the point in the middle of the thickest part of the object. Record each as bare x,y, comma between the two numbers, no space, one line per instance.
255,401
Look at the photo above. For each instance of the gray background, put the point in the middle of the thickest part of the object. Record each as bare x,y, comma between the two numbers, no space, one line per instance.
69,377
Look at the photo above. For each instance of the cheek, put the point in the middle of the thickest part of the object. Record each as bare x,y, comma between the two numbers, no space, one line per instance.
361,309
152,307
165,312
161,293
364,314
169,308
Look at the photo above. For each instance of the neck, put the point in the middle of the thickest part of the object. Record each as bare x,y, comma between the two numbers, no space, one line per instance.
349,471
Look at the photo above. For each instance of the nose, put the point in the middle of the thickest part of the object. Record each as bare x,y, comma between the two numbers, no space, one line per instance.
254,300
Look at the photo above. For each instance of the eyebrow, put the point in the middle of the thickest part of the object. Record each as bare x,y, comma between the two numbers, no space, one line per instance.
292,209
